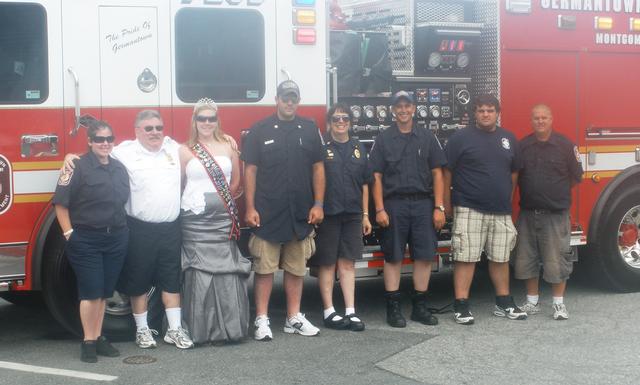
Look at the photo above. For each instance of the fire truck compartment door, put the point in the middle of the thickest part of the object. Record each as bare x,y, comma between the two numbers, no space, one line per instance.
129,72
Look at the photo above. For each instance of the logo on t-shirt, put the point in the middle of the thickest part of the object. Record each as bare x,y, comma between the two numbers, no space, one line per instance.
505,144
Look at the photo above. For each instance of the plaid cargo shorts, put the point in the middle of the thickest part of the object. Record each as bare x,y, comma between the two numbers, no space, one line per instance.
474,231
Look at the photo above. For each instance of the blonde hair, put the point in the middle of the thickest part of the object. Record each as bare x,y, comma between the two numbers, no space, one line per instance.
202,105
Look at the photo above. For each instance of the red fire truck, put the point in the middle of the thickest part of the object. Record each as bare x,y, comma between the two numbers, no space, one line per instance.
65,62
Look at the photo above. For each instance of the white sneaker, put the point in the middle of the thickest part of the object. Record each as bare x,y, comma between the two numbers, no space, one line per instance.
144,338
299,324
560,312
530,307
262,331
178,337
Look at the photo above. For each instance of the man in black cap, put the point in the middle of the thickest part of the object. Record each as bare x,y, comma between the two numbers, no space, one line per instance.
407,163
284,192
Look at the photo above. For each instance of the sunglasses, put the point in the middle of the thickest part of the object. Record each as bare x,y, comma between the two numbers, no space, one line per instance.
151,128
340,118
102,139
209,119
290,98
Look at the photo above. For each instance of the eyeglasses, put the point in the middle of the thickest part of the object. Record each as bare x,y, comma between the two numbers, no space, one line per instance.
151,128
340,118
102,139
290,98
209,119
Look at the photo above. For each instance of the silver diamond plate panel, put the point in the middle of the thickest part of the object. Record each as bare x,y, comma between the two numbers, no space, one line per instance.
487,69
439,11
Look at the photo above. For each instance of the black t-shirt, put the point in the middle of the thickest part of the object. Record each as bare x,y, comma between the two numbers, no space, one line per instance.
547,170
94,193
346,170
481,163
284,153
406,160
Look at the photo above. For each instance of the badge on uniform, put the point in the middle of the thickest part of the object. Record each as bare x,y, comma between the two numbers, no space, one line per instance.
65,177
169,158
356,153
505,144
577,153
329,154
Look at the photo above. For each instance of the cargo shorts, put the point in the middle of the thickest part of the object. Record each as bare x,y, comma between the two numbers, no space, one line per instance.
544,238
291,256
474,231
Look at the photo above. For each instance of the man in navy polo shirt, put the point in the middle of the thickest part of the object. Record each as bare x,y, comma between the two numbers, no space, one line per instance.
407,165
482,171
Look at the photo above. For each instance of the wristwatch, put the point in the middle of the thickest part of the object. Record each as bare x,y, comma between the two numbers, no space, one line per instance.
441,208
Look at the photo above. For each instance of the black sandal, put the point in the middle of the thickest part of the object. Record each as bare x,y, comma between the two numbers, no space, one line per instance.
354,324
341,324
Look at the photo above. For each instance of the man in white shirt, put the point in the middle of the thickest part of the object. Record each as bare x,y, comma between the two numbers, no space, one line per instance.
153,257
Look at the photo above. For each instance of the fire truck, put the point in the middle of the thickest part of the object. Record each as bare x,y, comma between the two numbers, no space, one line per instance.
63,63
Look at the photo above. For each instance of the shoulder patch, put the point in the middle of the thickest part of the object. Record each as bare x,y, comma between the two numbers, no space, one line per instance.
65,177
577,154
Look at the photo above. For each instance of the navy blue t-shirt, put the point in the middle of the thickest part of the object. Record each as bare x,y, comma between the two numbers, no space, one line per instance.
481,163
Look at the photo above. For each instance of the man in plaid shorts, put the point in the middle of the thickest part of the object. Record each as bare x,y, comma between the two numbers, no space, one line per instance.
482,171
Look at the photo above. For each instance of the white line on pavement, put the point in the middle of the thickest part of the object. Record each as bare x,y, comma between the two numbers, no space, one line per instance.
56,372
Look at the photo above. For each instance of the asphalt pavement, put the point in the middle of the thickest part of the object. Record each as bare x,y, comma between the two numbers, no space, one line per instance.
599,344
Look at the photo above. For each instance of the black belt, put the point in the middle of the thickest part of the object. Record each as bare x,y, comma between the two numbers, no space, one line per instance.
410,196
545,211
106,230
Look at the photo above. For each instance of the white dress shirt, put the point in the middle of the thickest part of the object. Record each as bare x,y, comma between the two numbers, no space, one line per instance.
154,178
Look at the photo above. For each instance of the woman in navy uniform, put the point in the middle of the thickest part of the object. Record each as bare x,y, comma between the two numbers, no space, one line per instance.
89,203
339,239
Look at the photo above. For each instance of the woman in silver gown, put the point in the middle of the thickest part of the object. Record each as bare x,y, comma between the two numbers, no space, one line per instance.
214,290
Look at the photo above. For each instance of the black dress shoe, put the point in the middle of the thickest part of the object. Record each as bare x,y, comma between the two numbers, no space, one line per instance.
88,352
355,324
341,324
104,348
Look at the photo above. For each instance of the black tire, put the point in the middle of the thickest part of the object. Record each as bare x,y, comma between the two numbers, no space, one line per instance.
23,298
60,293
607,263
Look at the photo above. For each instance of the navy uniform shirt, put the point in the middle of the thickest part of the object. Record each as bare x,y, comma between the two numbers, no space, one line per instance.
284,153
94,193
547,171
481,164
346,171
406,160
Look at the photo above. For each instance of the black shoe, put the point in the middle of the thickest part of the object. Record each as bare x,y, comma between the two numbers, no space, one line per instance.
88,352
394,315
104,348
341,324
420,311
355,324
461,313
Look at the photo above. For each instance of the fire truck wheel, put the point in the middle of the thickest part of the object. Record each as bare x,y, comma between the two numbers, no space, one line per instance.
20,298
60,294
617,255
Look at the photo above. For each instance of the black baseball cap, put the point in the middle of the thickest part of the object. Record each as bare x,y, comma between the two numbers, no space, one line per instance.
288,87
402,95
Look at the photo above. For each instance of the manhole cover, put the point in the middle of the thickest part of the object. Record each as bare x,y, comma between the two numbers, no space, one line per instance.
139,360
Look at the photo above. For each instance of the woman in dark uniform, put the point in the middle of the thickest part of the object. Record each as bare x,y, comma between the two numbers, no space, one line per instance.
89,203
339,239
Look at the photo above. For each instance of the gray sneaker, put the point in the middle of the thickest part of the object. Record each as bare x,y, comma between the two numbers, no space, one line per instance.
560,312
530,308
178,337
144,338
